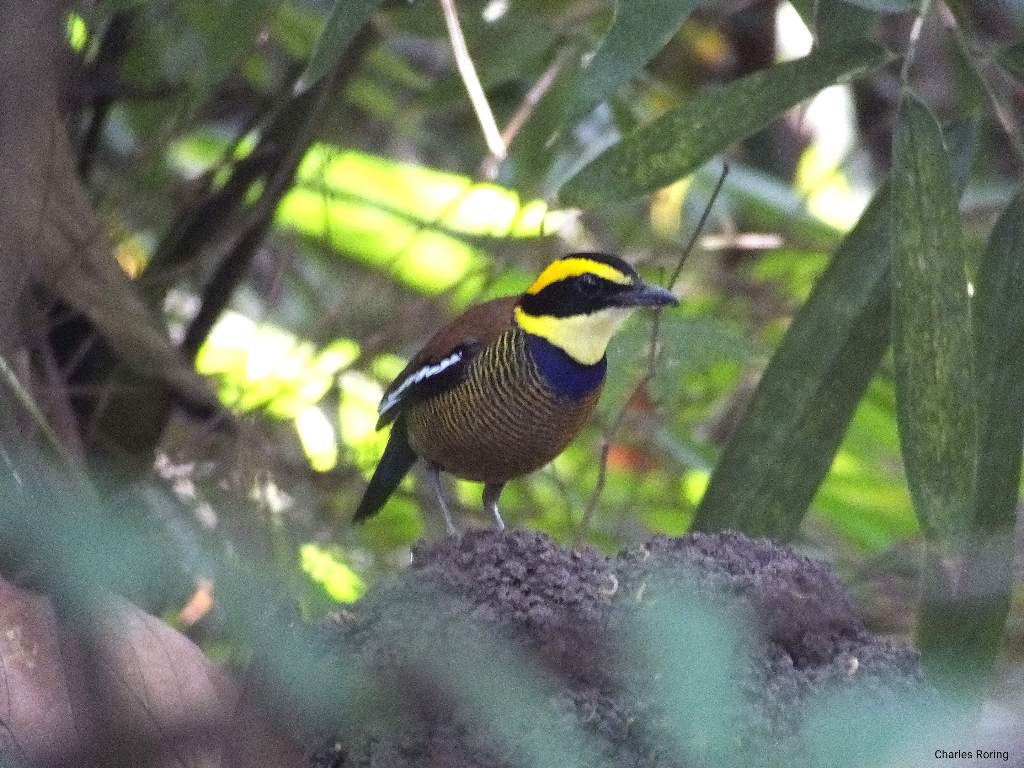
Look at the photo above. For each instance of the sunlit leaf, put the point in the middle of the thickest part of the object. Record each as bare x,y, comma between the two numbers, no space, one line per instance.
828,191
412,221
680,141
442,199
357,417
861,499
340,581
267,367
422,258
318,439
933,343
346,19
405,218
77,32
695,485
639,30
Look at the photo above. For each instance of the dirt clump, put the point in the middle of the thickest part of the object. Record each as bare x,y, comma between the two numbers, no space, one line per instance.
505,649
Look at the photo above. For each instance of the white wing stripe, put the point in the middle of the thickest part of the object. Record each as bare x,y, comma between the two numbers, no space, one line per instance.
415,378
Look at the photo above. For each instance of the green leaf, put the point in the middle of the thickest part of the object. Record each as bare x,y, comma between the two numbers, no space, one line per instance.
961,625
999,334
640,29
839,22
232,36
835,21
783,447
933,343
346,19
680,141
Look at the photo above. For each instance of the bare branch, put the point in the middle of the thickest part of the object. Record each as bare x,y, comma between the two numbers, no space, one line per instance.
477,97
489,167
650,370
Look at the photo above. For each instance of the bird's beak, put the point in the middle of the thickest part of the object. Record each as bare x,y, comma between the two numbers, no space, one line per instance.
647,295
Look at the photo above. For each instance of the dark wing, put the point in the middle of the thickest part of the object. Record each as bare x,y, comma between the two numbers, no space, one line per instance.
443,361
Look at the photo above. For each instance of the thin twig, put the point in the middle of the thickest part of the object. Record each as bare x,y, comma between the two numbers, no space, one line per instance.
29,405
915,37
700,225
489,167
467,70
650,370
535,94
11,468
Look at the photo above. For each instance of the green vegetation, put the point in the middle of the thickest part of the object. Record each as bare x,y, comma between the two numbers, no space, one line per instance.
298,193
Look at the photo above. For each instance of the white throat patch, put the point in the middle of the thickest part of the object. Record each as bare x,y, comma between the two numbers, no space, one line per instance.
583,337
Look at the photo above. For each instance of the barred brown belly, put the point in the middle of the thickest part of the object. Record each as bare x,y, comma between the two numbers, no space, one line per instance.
502,421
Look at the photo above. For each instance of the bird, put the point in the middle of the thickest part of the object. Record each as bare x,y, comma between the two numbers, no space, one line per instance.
504,388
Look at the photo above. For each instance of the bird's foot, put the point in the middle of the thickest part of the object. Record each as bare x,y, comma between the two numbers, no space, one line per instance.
491,493
434,473
449,526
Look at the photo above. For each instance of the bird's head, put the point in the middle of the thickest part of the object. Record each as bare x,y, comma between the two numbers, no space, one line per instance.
578,303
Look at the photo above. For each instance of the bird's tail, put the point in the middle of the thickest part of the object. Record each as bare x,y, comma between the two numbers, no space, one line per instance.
397,460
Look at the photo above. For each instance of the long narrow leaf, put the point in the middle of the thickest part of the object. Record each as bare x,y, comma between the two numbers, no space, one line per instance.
346,19
233,36
999,324
933,344
960,629
641,28
680,141
783,447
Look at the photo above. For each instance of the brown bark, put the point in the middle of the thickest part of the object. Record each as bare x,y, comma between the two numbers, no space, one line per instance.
50,237
29,113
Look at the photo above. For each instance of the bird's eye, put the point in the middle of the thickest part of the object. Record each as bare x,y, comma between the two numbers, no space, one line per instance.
589,283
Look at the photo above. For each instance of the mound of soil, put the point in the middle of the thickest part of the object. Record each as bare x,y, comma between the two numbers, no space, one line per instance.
498,650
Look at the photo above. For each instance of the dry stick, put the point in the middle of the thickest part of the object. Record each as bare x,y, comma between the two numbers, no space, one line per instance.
489,167
29,404
652,362
477,97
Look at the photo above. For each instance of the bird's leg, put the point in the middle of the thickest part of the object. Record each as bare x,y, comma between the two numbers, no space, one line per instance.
434,472
491,493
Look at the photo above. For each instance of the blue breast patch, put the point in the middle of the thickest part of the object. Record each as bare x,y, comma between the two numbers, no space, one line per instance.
564,375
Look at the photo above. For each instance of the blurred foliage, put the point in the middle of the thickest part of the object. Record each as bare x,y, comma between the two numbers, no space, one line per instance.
775,389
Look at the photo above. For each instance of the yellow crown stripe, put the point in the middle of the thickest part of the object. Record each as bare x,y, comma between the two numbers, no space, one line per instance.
564,268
